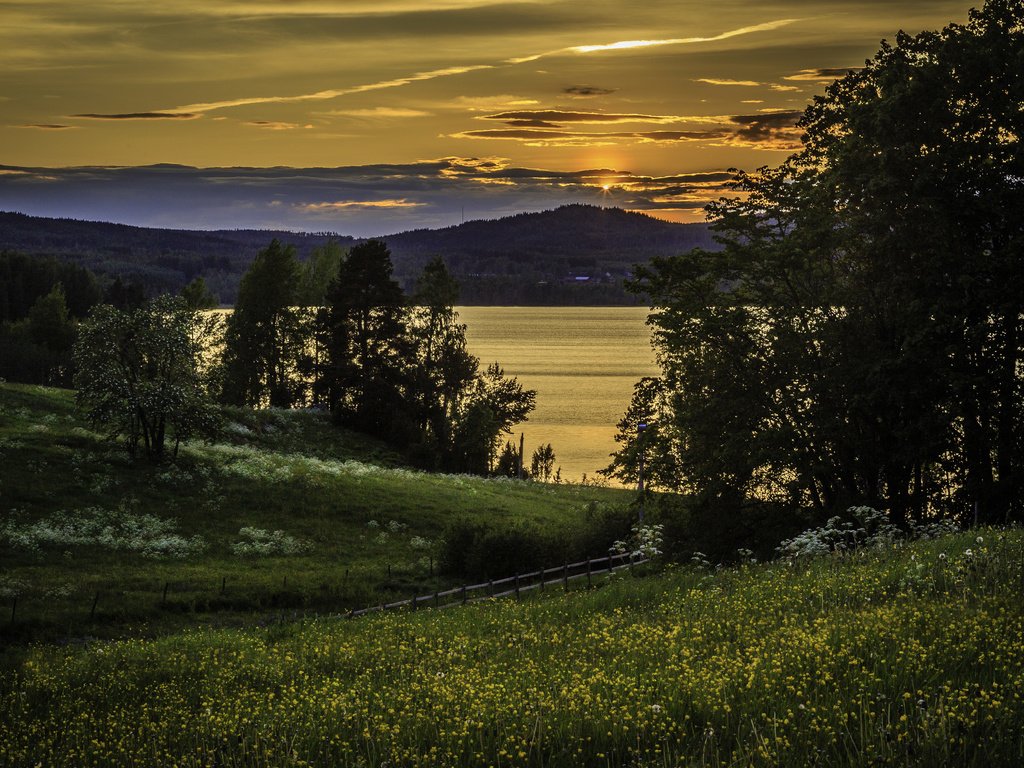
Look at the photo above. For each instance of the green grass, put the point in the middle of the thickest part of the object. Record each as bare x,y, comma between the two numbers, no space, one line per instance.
911,655
370,526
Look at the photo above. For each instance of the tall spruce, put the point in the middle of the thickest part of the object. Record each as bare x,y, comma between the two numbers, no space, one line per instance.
265,336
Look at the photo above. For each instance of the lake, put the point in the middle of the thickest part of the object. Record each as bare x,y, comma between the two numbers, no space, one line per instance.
583,362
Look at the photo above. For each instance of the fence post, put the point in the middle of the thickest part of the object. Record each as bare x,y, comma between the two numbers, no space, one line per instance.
14,607
590,582
414,601
164,598
490,587
389,571
431,567
92,612
437,599
517,586
630,562
223,584
565,577
464,598
285,582
541,579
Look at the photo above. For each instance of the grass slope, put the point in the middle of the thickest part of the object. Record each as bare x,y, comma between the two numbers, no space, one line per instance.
356,527
911,655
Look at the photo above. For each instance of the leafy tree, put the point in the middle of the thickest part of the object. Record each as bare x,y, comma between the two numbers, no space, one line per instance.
542,463
140,374
198,296
858,340
316,274
265,335
444,370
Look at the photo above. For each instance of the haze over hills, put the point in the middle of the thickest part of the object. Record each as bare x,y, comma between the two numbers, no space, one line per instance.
575,254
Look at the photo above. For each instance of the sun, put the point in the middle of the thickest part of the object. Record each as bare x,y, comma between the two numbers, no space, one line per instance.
606,187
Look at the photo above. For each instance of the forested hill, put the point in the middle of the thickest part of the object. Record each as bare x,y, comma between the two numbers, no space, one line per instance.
575,254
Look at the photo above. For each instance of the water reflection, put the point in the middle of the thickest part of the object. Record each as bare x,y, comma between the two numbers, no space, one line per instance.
583,362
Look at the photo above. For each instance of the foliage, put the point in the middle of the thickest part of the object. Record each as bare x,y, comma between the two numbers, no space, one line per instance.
542,463
140,374
257,541
121,529
198,296
858,340
264,337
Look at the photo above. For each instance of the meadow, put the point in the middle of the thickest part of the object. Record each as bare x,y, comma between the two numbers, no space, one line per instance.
284,513
906,654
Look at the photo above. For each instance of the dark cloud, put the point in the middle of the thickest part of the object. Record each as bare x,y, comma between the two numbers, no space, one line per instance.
532,124
46,126
567,116
140,116
771,130
358,200
586,91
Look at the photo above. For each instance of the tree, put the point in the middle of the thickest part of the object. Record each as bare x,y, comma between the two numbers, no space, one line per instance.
265,334
542,463
140,373
858,340
368,345
444,370
198,296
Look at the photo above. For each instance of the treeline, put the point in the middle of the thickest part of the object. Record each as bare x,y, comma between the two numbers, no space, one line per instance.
575,255
336,332
859,340
339,333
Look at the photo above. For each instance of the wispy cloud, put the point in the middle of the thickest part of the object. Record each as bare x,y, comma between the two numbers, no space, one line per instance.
383,112
723,81
46,126
334,93
574,116
192,110
772,129
341,205
622,45
586,91
161,115
275,125
822,75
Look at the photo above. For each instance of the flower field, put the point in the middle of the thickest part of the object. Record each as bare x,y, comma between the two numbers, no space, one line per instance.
908,655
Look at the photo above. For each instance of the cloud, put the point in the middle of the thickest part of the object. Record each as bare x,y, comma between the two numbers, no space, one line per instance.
359,200
768,130
571,116
362,204
273,125
773,129
586,91
46,126
378,112
140,116
622,45
489,103
824,75
722,81
333,93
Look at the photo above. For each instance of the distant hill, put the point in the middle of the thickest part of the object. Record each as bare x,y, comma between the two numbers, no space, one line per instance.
576,254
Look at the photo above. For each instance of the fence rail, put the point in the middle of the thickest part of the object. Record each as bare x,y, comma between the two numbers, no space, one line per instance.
523,582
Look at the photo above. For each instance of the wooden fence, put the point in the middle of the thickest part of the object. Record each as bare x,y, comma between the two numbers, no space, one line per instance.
512,585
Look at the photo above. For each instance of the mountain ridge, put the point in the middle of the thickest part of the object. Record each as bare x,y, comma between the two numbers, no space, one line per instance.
572,254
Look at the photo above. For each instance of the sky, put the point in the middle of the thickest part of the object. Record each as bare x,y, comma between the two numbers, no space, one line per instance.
369,117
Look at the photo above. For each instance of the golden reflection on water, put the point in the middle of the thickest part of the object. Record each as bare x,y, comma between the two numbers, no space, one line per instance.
583,362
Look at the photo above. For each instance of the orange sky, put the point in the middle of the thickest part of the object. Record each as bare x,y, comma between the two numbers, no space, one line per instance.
445,106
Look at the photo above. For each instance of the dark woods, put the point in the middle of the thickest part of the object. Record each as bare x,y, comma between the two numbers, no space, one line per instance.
859,339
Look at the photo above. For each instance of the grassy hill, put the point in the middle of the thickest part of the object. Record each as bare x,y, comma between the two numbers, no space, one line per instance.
912,655
284,513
